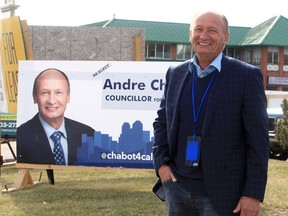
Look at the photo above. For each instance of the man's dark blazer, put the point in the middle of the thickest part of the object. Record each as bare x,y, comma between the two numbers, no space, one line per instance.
33,145
235,142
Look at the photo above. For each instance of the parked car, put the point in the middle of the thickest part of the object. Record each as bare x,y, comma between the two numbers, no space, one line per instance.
276,150
274,116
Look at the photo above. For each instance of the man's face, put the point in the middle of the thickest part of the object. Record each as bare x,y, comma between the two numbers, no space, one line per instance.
208,35
52,96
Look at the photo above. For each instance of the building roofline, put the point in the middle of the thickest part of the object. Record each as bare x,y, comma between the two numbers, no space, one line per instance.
270,27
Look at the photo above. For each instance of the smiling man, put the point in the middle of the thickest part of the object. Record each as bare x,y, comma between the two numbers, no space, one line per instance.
211,144
35,138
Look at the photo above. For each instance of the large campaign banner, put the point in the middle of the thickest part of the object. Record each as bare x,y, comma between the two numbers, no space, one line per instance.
119,100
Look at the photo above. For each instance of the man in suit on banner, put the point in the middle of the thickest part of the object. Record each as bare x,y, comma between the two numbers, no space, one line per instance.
51,92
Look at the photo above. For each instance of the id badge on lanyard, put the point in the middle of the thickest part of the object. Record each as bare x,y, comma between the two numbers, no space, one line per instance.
192,155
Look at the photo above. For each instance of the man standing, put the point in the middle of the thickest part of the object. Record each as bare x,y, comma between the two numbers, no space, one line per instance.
211,145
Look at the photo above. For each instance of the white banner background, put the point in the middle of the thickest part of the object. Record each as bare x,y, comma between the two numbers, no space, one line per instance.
87,103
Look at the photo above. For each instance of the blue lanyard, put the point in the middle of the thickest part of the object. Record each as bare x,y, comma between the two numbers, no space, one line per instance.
195,116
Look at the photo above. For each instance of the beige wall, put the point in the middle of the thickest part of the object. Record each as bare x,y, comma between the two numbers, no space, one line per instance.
85,43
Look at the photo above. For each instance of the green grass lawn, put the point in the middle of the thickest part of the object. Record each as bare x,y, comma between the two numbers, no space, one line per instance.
111,191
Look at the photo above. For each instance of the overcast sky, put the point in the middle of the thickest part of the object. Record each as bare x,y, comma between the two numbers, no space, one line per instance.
245,13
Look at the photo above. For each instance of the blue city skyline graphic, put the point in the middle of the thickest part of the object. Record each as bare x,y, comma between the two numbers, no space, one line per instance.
133,149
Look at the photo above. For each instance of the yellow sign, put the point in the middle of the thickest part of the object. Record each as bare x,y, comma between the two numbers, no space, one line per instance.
7,117
12,49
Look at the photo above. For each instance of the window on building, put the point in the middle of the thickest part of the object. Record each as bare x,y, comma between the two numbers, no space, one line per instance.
285,55
274,88
150,51
229,51
233,52
273,55
184,51
256,56
159,51
167,51
247,54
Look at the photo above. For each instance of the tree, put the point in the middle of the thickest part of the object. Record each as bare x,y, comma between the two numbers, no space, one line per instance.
279,149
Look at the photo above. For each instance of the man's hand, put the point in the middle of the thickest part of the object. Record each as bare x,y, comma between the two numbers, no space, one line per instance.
248,206
165,173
